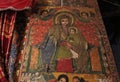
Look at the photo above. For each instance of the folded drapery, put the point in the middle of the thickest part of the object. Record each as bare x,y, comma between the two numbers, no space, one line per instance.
64,65
8,12
2,76
16,4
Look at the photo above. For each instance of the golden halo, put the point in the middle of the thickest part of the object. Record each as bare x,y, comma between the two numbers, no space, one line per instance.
62,13
73,27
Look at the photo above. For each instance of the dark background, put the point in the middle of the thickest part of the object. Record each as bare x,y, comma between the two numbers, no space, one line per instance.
110,11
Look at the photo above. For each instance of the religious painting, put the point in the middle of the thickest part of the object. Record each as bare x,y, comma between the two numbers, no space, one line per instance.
66,38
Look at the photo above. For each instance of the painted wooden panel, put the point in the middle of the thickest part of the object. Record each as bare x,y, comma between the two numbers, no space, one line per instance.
66,38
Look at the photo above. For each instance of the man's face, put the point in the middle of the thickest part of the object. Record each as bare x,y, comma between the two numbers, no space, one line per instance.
62,80
75,80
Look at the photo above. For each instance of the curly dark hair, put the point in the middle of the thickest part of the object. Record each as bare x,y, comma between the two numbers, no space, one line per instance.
63,76
76,77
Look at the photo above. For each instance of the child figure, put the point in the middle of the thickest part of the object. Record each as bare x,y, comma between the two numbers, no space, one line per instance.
78,49
73,39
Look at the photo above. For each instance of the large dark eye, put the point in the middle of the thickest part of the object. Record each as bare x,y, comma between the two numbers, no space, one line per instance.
62,20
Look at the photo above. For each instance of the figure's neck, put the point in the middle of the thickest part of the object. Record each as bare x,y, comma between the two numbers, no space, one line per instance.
65,29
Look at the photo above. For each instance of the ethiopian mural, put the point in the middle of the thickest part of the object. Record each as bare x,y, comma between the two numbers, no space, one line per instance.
65,39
